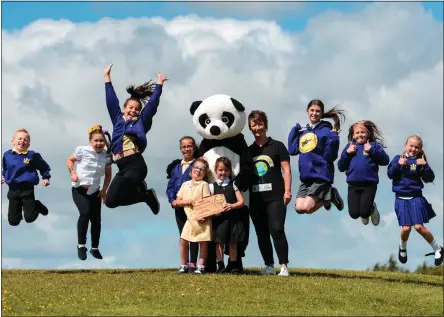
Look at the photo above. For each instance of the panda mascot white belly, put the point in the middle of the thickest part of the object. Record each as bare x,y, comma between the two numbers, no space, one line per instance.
220,119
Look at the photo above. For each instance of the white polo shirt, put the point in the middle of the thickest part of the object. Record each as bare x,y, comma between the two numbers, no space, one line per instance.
90,167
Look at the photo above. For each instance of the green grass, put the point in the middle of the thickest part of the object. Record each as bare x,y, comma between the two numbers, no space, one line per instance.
163,292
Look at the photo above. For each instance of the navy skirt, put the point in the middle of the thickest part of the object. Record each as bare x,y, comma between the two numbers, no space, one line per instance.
413,211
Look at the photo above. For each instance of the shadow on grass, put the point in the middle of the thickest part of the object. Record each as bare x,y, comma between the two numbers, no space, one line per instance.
247,272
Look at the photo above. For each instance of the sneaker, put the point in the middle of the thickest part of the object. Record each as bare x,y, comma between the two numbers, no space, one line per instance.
336,199
183,269
364,221
327,204
42,208
200,269
152,201
375,215
81,252
268,270
439,256
96,253
402,259
284,271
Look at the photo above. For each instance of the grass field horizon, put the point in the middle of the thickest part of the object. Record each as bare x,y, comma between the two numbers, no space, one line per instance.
131,292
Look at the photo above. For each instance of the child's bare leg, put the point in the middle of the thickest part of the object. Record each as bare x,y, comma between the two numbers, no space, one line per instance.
203,254
219,252
233,251
426,234
183,252
405,233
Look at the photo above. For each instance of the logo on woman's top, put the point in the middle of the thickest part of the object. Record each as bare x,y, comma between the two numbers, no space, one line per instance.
308,142
262,163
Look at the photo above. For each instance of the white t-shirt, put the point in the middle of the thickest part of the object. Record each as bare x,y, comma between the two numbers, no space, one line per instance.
90,167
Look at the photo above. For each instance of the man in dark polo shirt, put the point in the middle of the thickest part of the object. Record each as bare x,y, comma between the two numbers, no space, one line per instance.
270,192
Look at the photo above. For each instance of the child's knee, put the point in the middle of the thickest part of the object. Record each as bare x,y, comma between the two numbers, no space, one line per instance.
406,229
14,222
111,202
29,219
419,228
354,216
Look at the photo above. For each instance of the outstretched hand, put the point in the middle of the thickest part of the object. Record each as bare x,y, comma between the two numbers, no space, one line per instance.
402,160
161,78
45,182
107,70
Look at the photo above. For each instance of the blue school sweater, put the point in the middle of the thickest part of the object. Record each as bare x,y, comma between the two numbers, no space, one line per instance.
137,127
20,169
176,181
407,180
317,148
361,167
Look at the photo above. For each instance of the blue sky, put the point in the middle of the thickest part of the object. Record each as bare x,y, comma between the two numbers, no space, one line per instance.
18,14
401,53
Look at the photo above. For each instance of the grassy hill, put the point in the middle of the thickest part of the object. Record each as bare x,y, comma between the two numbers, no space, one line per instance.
163,292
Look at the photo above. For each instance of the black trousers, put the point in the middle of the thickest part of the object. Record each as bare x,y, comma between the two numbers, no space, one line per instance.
269,218
127,188
181,218
360,200
90,207
21,200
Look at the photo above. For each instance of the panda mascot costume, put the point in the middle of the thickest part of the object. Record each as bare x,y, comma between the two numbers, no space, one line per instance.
220,119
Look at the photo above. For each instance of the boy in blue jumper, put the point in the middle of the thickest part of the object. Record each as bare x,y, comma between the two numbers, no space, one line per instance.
360,161
317,145
129,142
19,172
408,172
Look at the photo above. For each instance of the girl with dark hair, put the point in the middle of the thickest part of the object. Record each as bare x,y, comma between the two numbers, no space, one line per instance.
317,145
179,172
270,193
360,160
409,171
92,163
227,226
129,142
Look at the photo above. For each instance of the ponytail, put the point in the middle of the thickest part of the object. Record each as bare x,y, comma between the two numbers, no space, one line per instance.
337,115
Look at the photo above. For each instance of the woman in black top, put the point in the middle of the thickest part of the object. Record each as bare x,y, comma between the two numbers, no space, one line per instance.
270,192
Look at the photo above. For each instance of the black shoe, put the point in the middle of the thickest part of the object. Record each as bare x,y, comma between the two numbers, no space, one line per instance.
42,208
327,204
152,201
336,199
220,267
232,267
438,261
402,259
96,253
240,266
81,252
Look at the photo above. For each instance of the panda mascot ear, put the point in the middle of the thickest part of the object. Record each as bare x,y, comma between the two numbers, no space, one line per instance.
237,105
194,107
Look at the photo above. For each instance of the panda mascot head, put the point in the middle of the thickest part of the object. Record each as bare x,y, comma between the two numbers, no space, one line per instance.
218,117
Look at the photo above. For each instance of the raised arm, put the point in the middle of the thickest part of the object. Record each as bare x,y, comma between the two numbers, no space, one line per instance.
378,154
332,147
112,102
150,108
293,140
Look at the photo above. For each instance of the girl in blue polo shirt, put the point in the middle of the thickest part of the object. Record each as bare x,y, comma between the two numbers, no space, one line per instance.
129,142
408,172
317,145
360,160
19,172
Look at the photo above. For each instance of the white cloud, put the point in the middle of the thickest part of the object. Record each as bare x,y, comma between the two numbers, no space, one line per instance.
384,64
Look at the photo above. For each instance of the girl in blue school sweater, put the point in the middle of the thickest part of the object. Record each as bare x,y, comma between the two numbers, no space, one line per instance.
179,172
317,145
408,172
19,172
360,160
129,142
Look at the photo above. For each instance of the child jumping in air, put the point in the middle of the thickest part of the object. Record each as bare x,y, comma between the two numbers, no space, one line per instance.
360,160
317,145
227,227
19,172
408,172
92,162
129,142
194,230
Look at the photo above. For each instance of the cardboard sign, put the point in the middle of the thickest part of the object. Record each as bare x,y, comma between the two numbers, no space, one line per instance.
209,206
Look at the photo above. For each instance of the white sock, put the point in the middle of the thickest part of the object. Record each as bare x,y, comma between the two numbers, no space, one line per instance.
403,246
82,245
435,246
